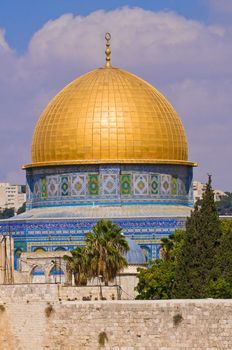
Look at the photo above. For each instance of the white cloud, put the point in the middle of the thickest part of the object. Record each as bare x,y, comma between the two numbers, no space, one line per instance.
188,60
3,44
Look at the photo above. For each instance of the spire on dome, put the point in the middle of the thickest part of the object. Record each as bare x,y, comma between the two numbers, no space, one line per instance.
108,51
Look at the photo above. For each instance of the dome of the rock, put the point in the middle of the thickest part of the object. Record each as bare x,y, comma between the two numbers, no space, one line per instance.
108,146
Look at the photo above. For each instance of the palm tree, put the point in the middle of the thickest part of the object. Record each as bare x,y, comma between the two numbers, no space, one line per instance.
166,248
78,265
105,246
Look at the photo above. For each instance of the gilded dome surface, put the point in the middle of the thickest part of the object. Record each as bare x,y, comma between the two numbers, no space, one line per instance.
109,116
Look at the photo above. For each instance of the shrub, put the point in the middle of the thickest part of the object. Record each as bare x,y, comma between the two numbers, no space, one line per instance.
2,308
102,338
177,319
49,310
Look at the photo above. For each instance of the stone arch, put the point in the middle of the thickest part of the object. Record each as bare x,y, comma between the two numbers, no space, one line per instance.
59,266
39,250
17,255
60,249
37,274
56,273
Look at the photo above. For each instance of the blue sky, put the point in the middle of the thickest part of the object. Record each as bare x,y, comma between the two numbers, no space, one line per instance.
21,18
186,48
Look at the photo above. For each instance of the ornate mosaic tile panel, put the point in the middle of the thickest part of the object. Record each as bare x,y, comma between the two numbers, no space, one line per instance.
37,192
78,185
93,184
141,184
181,187
166,184
154,184
125,184
174,186
64,186
109,184
137,183
28,192
43,187
53,186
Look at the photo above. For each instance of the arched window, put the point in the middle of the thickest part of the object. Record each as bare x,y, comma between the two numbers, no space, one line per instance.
39,250
18,253
56,270
37,271
37,275
61,249
56,274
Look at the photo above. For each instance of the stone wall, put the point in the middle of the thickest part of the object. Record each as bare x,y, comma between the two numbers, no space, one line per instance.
44,322
55,292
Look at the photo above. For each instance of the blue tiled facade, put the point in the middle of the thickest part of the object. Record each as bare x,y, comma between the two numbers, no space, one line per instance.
108,184
105,186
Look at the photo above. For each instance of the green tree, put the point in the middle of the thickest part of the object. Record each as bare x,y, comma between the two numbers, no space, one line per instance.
102,256
220,285
22,209
156,282
106,246
196,259
78,265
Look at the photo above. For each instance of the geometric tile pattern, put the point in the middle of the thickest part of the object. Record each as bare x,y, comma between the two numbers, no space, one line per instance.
36,233
43,187
109,184
174,186
52,186
28,192
125,184
166,184
154,184
138,185
78,185
141,184
65,186
93,184
37,192
181,187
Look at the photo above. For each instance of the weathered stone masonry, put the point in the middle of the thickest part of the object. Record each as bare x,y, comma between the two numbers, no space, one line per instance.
125,325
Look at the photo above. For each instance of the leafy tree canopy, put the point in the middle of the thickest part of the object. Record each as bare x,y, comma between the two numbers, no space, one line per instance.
103,254
22,209
196,263
224,206
156,282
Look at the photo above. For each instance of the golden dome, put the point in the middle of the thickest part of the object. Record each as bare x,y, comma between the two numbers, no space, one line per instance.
109,116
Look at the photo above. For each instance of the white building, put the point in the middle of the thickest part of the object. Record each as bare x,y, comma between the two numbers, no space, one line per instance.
11,196
199,188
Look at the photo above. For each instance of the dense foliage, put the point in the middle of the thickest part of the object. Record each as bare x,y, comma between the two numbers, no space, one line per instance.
156,282
201,241
196,263
22,209
224,206
102,256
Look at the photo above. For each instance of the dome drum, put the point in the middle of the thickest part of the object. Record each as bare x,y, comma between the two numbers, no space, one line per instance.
109,184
